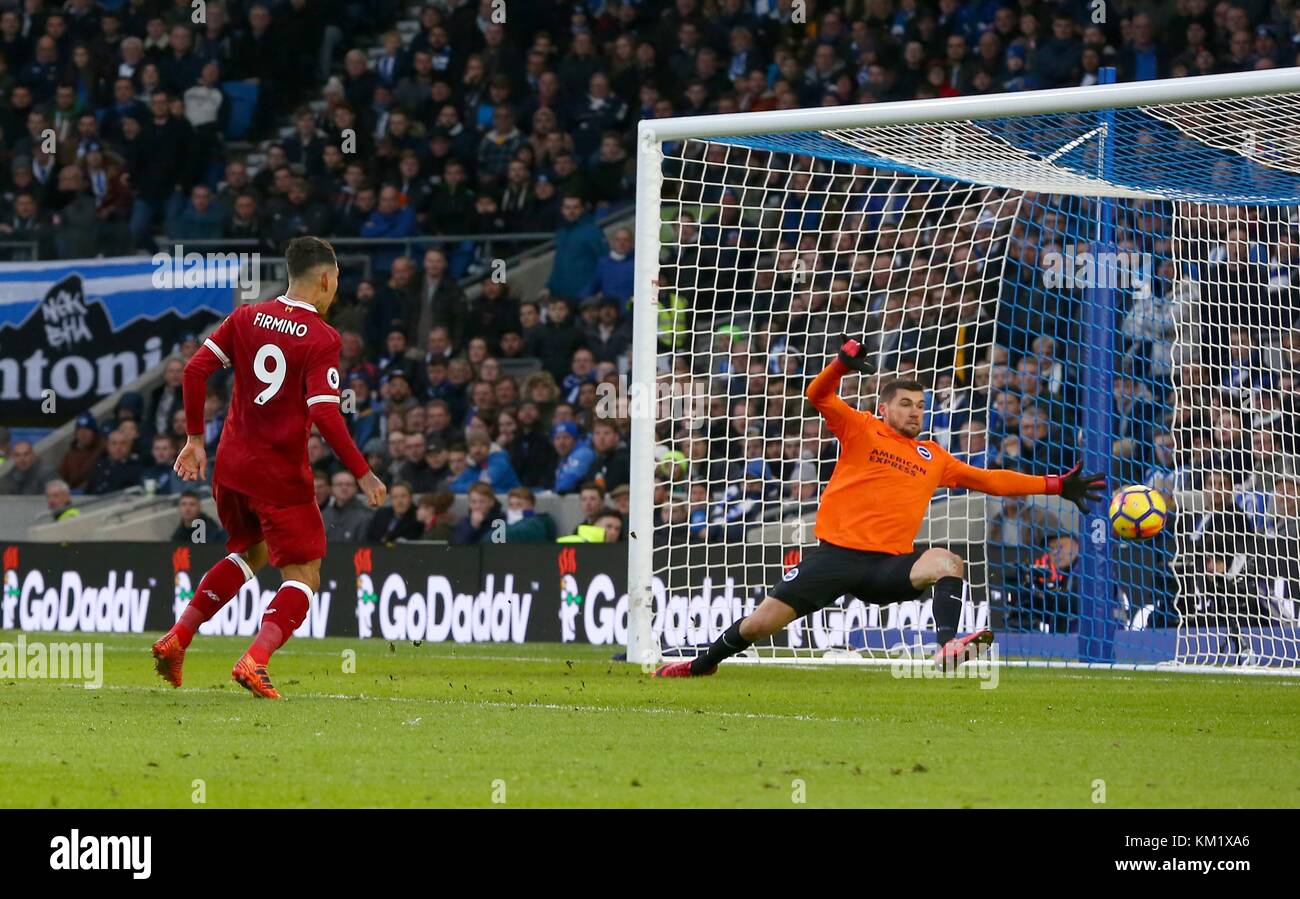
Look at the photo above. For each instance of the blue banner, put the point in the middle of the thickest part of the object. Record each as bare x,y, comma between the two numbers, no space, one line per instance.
72,332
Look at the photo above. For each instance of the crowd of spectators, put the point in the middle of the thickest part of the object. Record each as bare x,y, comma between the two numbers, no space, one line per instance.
962,297
129,125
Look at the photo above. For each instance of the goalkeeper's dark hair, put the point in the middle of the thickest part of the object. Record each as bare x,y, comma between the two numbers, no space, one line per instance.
893,386
306,253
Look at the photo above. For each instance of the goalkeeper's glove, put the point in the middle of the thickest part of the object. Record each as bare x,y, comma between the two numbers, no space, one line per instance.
1080,489
853,355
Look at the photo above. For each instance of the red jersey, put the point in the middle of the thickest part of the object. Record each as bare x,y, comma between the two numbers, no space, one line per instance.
286,360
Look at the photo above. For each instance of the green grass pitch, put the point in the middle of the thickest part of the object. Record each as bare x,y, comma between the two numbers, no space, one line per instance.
551,725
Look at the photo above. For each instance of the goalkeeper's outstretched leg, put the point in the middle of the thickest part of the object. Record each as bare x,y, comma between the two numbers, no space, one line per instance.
828,572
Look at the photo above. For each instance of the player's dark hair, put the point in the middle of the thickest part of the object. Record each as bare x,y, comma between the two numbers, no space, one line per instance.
305,253
894,386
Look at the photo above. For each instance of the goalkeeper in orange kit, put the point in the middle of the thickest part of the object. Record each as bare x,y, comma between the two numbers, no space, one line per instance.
870,514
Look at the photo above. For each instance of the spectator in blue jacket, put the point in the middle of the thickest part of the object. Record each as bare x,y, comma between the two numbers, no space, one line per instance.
574,457
579,244
200,220
484,513
613,277
367,410
390,219
483,464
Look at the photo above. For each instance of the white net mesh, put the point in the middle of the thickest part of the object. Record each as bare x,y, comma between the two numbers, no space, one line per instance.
1162,343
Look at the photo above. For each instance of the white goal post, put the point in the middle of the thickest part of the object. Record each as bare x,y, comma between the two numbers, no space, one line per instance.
1106,273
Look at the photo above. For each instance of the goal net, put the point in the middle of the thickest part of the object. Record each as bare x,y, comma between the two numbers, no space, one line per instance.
1107,274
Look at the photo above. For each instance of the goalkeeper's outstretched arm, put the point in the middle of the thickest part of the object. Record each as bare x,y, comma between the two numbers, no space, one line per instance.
1080,489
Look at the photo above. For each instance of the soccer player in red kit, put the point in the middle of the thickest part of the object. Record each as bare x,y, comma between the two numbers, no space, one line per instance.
869,516
285,360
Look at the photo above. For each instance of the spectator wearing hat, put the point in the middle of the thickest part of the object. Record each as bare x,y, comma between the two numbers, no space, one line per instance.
573,458
485,463
1016,76
439,459
397,354
609,338
741,504
621,497
395,388
79,461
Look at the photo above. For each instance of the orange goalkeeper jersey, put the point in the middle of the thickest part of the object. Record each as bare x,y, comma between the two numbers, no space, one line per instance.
883,481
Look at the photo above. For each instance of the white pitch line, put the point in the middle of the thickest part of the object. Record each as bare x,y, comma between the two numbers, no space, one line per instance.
495,704
291,653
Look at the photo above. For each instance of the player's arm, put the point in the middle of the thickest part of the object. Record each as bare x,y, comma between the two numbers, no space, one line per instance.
822,391
1080,489
213,354
323,409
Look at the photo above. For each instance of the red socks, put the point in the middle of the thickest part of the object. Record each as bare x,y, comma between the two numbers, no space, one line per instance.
285,613
287,610
217,588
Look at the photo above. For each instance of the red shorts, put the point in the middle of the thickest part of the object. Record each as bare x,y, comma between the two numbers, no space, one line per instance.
293,534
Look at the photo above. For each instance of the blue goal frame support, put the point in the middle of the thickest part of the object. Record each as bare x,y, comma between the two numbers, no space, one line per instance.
1097,599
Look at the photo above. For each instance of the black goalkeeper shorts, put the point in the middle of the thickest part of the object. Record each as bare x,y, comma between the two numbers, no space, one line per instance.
827,572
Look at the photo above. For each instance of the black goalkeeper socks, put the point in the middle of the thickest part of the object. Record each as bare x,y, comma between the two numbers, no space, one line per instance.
726,646
947,607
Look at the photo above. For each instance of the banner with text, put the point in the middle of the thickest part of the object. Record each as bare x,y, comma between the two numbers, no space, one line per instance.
73,332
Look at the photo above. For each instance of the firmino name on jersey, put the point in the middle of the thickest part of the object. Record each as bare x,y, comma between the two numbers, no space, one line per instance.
283,325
